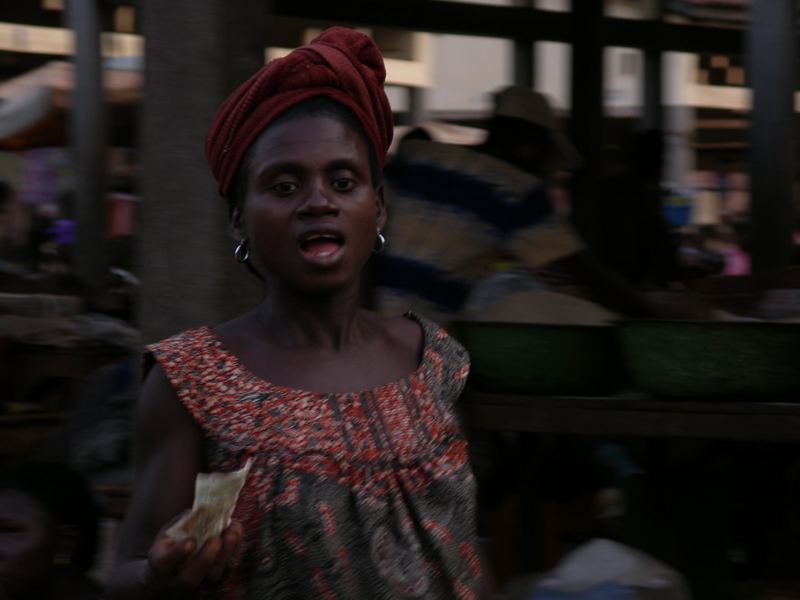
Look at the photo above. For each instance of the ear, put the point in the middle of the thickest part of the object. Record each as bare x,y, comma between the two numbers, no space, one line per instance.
236,228
381,204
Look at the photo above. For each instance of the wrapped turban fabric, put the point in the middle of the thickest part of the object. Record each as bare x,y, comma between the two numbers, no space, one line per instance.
340,63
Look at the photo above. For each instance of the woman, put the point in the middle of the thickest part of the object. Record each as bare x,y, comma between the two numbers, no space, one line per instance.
360,486
48,534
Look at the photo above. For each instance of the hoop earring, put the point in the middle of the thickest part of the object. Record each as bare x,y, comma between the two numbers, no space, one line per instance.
242,251
380,243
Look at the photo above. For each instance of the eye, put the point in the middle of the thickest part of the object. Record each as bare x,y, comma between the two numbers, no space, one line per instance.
343,184
284,188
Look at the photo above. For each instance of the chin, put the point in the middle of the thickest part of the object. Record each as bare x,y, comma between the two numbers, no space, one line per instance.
325,286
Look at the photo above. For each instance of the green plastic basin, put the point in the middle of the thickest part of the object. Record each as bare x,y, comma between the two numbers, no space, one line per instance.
739,360
542,359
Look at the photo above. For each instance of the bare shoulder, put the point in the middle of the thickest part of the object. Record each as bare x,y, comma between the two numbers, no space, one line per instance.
236,330
405,334
159,408
166,432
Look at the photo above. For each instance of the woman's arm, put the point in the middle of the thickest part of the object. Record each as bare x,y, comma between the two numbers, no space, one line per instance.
169,448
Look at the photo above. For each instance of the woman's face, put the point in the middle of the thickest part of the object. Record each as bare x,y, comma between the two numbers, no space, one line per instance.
311,211
28,542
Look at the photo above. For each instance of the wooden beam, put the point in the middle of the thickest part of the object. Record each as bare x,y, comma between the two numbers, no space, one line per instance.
511,22
621,416
17,63
435,16
672,37
30,13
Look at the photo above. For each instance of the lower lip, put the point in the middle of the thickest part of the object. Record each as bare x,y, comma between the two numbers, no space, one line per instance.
322,259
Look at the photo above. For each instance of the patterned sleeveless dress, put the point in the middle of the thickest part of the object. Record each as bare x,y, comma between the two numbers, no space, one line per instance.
351,495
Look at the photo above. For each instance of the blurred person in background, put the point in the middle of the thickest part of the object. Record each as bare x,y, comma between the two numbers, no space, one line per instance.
48,534
41,246
360,485
463,218
626,229
7,227
14,223
698,255
728,243
461,213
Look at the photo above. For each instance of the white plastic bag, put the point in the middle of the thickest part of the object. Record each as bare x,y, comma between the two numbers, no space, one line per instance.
606,570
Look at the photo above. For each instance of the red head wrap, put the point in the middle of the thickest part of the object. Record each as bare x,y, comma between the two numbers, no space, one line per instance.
340,63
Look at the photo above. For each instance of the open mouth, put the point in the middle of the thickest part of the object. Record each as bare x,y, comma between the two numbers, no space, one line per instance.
321,245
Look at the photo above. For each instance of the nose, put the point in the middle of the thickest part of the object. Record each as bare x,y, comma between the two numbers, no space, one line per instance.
318,202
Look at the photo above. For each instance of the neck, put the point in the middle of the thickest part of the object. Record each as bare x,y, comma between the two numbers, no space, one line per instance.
327,321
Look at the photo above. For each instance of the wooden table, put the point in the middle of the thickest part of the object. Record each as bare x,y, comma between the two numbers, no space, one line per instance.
32,363
633,416
620,416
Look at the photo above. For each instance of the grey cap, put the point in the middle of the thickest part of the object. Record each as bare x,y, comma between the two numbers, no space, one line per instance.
521,103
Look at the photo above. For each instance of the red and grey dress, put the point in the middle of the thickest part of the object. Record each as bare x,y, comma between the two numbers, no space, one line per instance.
351,495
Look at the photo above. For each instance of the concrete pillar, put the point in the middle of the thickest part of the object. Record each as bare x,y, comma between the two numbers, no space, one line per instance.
771,62
679,156
88,135
196,53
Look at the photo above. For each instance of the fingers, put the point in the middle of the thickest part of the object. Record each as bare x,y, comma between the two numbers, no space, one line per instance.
166,555
179,562
198,567
231,539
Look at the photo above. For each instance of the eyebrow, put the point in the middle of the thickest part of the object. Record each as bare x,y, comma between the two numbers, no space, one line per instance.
295,167
350,164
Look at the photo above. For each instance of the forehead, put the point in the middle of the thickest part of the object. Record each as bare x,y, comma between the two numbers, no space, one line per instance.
309,139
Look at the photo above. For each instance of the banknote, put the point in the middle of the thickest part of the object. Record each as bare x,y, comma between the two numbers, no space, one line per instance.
215,496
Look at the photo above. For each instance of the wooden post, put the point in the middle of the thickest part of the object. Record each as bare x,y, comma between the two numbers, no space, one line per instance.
416,105
771,69
524,56
652,113
524,64
586,121
197,53
88,135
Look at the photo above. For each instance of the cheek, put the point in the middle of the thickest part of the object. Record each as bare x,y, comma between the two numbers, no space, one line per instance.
28,552
367,227
266,225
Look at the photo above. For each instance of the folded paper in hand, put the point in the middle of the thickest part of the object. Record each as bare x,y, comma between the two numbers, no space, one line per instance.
215,496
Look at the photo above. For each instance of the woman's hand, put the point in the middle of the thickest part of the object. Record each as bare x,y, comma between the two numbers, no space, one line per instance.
181,565
170,453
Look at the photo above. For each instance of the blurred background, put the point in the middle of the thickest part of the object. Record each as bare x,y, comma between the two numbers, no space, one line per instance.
683,446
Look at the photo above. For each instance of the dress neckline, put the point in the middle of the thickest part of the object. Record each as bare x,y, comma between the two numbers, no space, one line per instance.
243,371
